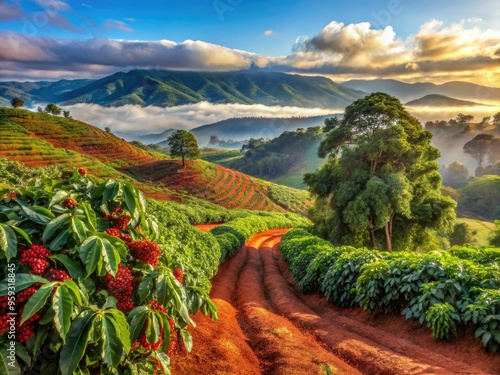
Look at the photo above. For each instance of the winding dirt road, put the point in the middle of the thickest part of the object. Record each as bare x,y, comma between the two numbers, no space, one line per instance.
266,327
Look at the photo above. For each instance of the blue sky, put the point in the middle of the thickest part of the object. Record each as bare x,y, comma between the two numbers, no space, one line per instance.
267,28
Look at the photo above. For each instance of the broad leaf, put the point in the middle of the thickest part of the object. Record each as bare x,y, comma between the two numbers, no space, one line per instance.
130,195
77,339
112,349
79,230
74,269
78,297
23,281
60,240
90,253
137,321
58,197
153,329
122,328
37,214
5,368
37,301
62,303
8,241
110,256
187,339
54,227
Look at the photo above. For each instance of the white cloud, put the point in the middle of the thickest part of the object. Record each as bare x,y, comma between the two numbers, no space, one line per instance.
152,119
268,33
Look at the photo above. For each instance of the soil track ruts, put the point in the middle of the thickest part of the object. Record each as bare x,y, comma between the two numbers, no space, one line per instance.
267,327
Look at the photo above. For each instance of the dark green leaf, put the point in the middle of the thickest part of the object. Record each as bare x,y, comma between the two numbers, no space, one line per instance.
74,269
23,281
122,328
22,353
137,322
22,233
187,339
60,240
54,226
62,303
5,369
76,293
77,339
40,337
79,229
112,349
111,191
153,329
110,256
37,301
164,361
161,290
90,253
130,195
38,214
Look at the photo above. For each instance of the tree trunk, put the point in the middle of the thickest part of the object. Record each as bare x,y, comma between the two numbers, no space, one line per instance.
371,230
388,239
183,163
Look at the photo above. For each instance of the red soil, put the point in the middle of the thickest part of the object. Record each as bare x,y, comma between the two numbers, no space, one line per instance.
267,327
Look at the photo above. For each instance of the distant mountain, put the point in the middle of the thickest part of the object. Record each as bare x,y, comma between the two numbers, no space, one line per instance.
434,100
171,88
411,91
238,129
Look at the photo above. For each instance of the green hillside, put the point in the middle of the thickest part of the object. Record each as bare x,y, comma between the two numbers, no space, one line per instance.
170,88
40,139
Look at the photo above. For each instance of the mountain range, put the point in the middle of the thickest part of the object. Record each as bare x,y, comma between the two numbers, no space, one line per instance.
171,88
434,100
411,91
238,129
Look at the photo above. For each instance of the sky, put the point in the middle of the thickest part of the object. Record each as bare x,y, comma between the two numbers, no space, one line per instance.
409,40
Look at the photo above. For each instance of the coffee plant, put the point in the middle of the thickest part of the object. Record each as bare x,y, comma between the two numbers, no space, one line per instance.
447,290
94,291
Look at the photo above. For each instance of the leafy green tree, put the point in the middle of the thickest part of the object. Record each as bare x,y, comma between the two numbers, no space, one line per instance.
183,144
107,129
464,119
481,197
40,109
478,147
381,177
16,102
455,175
53,109
461,234
66,114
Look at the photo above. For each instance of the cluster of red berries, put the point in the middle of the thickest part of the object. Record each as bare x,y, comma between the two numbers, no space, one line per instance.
122,288
36,258
4,324
179,275
25,330
24,295
145,251
82,171
12,195
57,275
121,222
69,203
115,232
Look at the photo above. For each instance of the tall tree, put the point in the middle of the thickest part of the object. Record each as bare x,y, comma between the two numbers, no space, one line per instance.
478,147
183,144
455,175
16,102
53,109
381,177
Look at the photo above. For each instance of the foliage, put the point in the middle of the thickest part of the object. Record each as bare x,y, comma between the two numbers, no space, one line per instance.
495,235
16,102
442,288
53,109
461,234
183,144
83,255
481,197
385,183
441,319
232,235
275,157
483,145
455,175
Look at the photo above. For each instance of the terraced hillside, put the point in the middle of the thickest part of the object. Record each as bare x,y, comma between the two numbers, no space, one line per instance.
39,139
221,185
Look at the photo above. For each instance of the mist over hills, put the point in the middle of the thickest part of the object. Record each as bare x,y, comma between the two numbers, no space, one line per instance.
172,88
240,129
411,91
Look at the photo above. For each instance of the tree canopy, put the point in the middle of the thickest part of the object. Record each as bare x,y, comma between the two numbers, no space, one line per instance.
481,197
53,109
380,180
183,144
16,102
482,145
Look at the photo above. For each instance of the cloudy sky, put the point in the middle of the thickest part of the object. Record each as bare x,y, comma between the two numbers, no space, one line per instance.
425,40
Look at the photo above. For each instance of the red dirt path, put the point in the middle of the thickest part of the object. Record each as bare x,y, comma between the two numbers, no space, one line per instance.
266,327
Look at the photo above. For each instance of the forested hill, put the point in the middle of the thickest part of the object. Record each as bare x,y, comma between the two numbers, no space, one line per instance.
170,88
